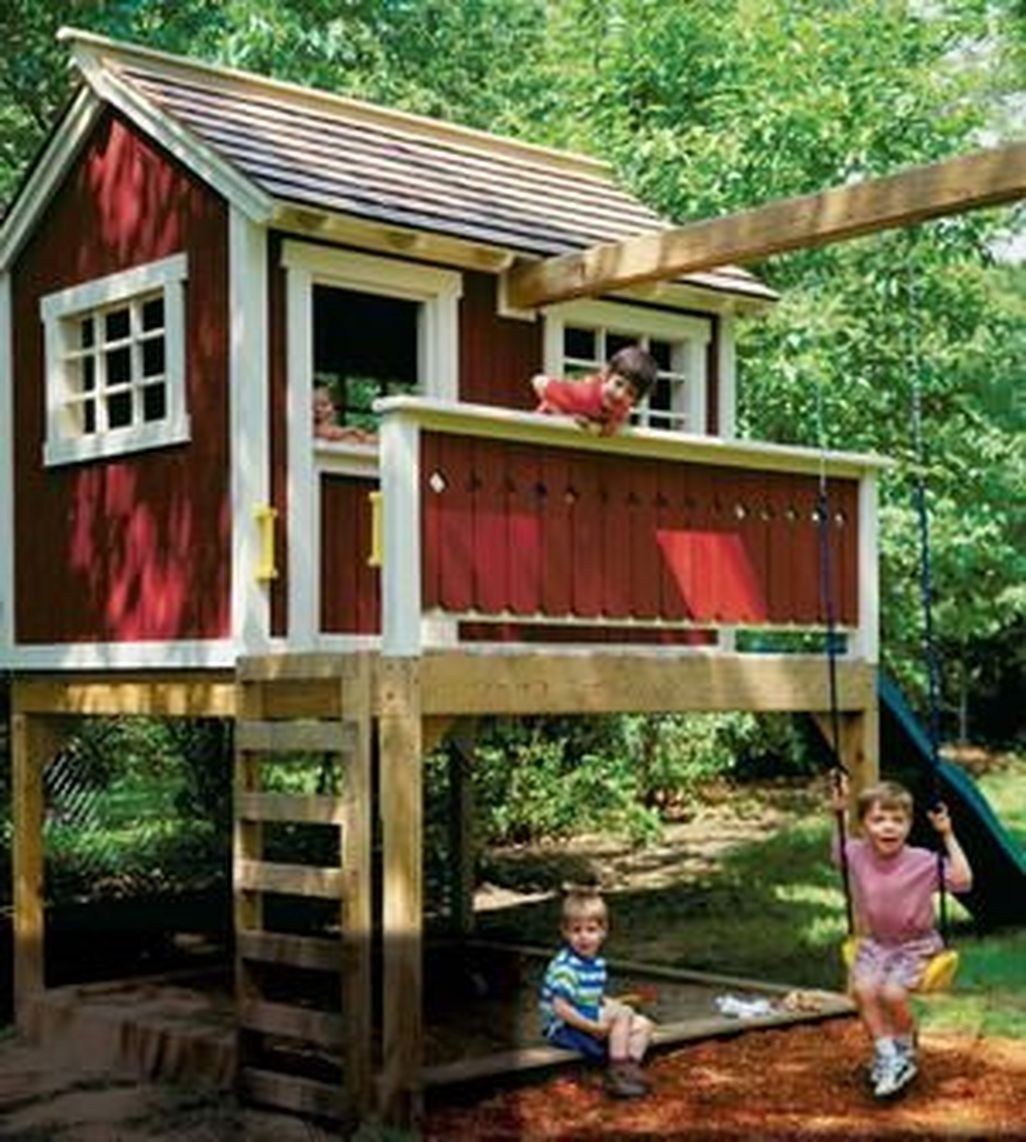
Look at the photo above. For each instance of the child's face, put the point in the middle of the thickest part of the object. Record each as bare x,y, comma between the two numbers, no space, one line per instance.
585,935
617,389
887,827
323,408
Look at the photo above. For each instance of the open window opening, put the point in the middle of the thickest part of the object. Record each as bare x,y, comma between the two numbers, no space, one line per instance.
365,347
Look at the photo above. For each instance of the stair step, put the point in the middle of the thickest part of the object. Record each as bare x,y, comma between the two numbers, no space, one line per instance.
294,879
313,808
296,736
312,952
322,1028
291,1092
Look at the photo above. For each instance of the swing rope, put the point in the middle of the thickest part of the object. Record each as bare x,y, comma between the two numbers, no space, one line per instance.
839,771
930,655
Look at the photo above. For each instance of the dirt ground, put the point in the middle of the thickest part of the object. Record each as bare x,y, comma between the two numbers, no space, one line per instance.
800,1083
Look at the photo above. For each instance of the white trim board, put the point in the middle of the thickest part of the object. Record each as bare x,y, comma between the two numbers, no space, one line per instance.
186,654
248,410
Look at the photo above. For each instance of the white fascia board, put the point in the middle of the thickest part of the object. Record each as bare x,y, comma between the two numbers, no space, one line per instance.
51,165
200,158
6,469
248,403
148,655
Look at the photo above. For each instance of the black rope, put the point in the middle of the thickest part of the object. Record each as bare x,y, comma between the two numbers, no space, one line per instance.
930,656
839,771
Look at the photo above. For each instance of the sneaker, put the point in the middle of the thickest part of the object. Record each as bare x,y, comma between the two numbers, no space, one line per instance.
897,1072
621,1084
636,1074
882,1059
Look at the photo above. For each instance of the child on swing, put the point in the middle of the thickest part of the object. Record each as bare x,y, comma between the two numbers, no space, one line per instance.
892,885
600,403
575,1011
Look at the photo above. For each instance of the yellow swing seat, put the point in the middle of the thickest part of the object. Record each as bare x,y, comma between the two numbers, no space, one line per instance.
938,975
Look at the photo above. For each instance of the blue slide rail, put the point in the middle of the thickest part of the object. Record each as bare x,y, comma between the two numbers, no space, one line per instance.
998,895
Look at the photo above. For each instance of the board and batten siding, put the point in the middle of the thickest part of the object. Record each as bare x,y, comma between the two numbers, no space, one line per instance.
136,547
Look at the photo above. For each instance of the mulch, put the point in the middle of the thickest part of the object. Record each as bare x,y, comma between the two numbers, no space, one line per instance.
800,1083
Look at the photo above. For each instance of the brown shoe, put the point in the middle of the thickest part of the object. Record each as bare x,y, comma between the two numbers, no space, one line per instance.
620,1083
634,1071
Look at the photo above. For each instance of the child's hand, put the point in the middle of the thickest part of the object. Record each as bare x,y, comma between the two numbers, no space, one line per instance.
538,383
839,792
589,426
939,819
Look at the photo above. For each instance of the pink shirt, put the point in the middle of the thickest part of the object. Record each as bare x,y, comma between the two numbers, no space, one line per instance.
893,896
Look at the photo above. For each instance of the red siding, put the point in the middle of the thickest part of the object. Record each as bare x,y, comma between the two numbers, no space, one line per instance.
498,355
135,548
588,534
350,589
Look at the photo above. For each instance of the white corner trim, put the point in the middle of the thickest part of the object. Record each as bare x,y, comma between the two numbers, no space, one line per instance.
303,490
47,174
866,642
6,469
187,654
200,158
249,440
401,591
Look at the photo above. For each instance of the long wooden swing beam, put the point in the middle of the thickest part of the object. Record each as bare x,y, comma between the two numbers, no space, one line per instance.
986,178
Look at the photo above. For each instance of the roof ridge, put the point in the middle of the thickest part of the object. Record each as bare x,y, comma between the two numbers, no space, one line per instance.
471,138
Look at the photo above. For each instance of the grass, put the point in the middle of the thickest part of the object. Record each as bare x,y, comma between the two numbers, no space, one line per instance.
774,910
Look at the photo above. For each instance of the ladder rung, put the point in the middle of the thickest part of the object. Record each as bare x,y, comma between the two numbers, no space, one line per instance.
316,809
322,1028
294,951
293,736
295,879
290,1092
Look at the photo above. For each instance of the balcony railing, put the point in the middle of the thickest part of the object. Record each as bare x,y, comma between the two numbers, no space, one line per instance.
511,525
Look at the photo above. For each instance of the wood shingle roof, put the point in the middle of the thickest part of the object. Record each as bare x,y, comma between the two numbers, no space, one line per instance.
310,149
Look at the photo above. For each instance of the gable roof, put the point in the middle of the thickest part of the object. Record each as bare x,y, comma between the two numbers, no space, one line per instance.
272,147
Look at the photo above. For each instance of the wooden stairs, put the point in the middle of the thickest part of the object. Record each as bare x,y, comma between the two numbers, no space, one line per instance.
302,880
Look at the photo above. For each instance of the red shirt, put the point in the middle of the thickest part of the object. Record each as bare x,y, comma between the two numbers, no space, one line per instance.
584,398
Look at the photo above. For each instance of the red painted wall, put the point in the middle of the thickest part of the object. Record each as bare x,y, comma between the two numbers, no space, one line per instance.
350,589
139,547
498,355
540,533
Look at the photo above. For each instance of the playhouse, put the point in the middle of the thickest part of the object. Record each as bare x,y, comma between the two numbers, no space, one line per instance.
193,252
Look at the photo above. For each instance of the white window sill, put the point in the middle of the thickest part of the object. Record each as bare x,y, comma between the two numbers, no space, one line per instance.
116,443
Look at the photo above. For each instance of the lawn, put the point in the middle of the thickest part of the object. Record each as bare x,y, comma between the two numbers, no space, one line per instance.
772,908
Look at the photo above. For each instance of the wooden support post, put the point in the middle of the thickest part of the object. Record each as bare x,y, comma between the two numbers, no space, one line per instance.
34,740
859,744
247,847
357,918
401,738
461,831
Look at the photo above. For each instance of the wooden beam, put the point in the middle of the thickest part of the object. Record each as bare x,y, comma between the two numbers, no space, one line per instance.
34,740
987,178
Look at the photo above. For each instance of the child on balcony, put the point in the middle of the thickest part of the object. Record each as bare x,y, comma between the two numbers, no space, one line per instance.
575,1011
893,885
600,403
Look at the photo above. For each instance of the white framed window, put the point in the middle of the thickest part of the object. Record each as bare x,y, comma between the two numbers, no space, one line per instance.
581,336
115,363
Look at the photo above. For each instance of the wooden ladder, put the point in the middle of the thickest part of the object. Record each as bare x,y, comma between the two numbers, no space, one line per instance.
303,1000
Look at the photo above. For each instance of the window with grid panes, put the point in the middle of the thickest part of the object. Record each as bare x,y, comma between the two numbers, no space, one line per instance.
115,363
587,348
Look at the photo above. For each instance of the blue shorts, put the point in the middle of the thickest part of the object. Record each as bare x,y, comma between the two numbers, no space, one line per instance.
594,1050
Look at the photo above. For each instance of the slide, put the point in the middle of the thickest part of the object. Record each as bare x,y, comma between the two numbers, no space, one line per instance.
998,895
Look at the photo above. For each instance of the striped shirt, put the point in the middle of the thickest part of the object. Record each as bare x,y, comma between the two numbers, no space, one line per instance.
578,980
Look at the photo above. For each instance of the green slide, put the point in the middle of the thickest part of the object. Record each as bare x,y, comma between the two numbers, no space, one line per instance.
998,895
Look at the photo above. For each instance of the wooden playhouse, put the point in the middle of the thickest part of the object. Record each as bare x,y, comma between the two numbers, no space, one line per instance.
191,253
